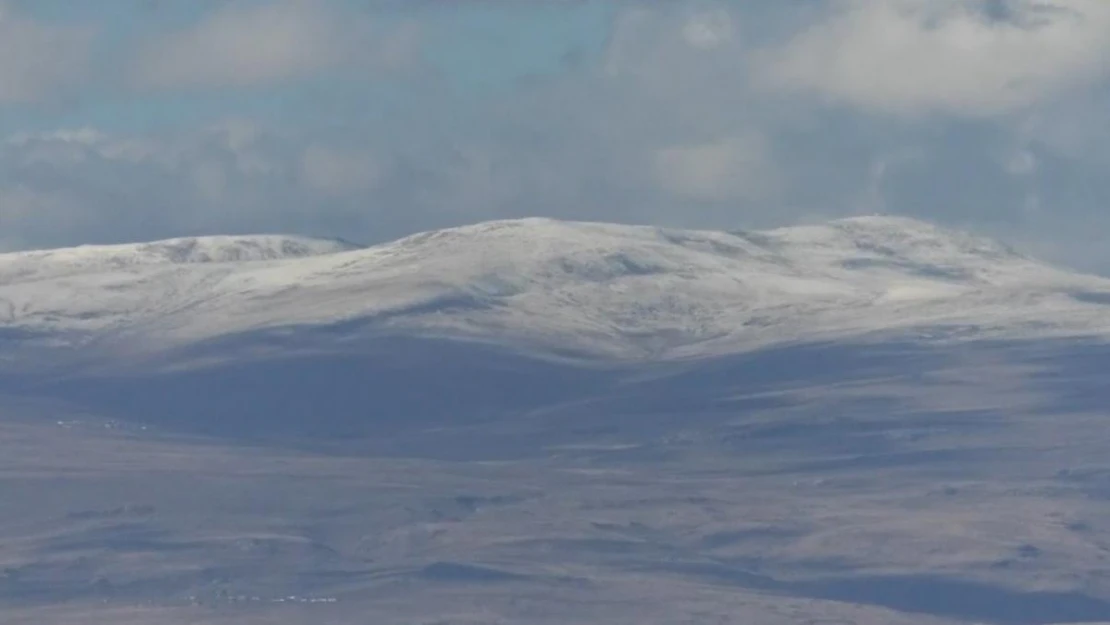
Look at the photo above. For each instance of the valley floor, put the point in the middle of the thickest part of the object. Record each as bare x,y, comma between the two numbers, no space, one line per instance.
977,491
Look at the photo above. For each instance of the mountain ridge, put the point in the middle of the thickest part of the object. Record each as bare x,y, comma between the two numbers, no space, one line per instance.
615,290
31,264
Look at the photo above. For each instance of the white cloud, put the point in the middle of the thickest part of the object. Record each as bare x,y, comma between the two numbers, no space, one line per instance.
654,42
731,169
244,44
709,29
67,187
913,57
339,172
873,200
1021,163
38,59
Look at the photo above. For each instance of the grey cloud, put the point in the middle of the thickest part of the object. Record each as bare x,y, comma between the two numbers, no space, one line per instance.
242,44
37,60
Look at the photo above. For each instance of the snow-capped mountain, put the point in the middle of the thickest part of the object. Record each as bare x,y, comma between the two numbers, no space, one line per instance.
86,259
769,428
543,285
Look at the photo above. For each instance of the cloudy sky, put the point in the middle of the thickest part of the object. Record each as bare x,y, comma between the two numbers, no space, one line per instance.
127,120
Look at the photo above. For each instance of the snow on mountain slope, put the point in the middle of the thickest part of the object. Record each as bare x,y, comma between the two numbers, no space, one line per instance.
39,264
601,289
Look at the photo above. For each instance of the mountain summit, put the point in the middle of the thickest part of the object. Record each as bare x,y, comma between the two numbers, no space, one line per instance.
603,290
